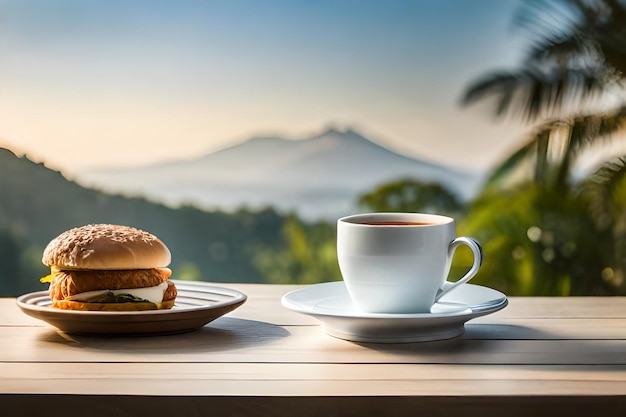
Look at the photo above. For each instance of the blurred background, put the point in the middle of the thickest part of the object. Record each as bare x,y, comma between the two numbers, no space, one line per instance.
239,131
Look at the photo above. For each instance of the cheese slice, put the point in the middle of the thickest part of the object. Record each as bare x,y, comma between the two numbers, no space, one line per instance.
152,294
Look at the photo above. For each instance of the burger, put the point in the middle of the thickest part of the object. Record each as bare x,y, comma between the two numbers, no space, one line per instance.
106,267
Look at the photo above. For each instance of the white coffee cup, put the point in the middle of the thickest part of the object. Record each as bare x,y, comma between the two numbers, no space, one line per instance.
399,262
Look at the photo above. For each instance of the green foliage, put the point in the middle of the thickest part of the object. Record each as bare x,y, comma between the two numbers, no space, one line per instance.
188,272
411,195
605,193
16,262
309,256
539,242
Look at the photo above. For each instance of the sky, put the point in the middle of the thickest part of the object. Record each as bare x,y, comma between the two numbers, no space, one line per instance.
87,83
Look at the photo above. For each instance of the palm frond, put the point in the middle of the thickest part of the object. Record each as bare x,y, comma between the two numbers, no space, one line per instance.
540,17
532,92
570,137
609,174
506,168
600,187
551,29
588,130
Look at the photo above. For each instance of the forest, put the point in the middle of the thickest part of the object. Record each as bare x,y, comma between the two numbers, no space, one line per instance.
546,227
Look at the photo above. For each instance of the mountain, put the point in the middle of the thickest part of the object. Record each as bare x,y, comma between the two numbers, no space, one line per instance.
318,178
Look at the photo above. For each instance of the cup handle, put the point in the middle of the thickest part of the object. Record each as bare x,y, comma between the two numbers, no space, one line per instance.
477,250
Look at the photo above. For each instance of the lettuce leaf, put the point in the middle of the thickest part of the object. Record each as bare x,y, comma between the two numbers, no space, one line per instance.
110,297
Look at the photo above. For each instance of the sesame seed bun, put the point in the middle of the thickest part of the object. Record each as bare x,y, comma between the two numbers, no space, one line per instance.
106,247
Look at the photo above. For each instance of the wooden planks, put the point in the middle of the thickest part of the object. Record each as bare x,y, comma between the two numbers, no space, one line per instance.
247,341
311,379
538,355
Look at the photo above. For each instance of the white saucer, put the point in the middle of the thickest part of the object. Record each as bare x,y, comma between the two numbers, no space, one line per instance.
330,303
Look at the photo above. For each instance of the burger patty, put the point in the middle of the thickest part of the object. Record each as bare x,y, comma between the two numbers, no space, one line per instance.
65,284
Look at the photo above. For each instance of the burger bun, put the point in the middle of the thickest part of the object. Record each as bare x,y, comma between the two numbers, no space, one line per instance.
138,306
106,247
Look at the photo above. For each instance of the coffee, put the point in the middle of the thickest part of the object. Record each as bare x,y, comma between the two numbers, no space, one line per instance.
398,223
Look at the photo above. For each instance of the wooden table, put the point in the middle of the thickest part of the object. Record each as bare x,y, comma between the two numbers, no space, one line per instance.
538,356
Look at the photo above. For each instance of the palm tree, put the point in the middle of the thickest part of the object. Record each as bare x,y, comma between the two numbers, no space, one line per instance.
571,78
552,234
578,52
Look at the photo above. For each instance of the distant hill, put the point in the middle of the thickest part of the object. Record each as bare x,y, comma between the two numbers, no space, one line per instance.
318,178
37,203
